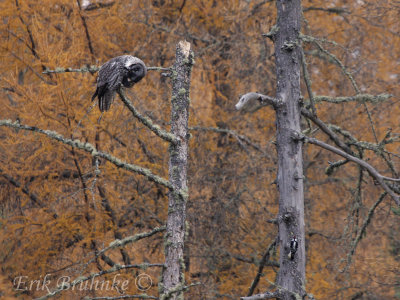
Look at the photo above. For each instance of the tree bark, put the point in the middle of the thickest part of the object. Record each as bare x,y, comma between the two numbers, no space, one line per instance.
173,280
291,276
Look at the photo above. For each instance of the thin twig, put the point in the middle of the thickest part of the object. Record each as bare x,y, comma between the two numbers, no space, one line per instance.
362,231
264,259
307,80
372,171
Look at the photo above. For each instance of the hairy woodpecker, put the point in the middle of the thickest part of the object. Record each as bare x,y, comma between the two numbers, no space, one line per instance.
293,247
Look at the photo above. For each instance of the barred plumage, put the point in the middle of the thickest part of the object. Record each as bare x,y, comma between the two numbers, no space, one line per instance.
125,70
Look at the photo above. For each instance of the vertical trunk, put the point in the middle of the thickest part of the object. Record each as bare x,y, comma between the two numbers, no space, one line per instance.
291,276
173,274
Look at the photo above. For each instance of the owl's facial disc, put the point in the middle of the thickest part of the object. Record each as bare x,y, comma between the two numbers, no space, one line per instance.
136,72
133,74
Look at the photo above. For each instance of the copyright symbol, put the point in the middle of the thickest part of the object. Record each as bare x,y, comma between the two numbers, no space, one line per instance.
143,282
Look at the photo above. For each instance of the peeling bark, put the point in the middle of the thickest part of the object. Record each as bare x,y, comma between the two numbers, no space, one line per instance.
173,280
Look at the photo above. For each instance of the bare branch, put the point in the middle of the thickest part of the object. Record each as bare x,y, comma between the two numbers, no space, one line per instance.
89,148
360,98
94,69
326,130
333,10
352,80
372,171
169,137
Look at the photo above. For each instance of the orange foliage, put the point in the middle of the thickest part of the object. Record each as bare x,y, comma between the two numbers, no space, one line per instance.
53,217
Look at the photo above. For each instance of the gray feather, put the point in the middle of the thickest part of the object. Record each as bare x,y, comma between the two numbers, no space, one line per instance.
125,70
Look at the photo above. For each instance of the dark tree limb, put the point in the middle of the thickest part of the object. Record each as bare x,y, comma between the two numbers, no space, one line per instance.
307,80
84,23
326,130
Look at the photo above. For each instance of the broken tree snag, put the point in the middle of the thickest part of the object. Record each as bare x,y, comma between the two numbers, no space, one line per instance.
291,276
253,101
173,280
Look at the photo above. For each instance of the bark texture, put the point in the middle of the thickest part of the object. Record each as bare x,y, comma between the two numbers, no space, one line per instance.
173,274
291,276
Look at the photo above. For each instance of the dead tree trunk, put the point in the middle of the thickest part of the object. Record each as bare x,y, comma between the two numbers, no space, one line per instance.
173,280
291,276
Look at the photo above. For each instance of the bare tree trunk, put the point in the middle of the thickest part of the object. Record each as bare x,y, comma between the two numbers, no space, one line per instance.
291,276
173,274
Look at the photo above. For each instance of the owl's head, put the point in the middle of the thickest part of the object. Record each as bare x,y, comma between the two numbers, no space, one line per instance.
135,71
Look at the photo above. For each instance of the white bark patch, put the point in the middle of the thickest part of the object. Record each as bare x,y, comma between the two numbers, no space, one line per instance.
185,46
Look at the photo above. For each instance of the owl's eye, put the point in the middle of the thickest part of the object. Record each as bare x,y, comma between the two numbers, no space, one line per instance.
136,68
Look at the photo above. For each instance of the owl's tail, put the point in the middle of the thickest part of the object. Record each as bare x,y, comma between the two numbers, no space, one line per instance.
106,100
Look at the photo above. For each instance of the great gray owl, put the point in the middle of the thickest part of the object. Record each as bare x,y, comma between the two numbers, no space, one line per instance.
125,70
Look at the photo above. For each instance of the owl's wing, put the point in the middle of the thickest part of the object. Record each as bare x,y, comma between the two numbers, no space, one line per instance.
108,82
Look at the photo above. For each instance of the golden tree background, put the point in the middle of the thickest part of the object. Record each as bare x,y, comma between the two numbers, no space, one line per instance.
55,212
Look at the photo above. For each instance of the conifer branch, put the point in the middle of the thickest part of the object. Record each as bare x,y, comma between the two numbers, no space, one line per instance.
169,137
